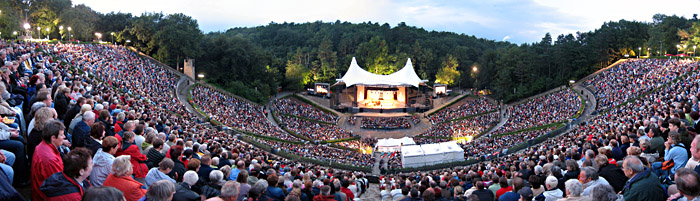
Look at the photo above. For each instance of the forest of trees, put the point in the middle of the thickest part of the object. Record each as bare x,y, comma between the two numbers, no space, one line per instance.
254,61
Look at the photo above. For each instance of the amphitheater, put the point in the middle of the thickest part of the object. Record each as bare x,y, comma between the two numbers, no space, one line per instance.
295,132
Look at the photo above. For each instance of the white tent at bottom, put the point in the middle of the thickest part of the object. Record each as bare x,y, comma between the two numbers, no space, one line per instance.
431,154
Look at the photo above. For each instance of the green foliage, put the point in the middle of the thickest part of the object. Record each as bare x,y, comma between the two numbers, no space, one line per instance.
9,21
177,38
297,76
114,22
82,21
253,62
448,73
238,66
663,33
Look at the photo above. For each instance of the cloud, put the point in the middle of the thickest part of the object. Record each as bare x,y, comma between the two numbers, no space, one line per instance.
521,20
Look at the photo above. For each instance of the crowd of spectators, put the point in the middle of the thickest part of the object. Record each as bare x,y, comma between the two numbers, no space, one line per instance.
618,155
236,113
388,123
633,78
555,107
323,153
313,130
293,107
468,108
352,120
131,137
462,128
124,135
363,143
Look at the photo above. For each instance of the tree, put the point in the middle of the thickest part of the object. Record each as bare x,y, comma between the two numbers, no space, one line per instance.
143,28
297,76
177,39
9,21
114,22
376,55
664,32
82,20
694,35
448,73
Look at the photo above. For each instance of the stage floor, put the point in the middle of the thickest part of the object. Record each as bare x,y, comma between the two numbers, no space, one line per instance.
416,129
374,114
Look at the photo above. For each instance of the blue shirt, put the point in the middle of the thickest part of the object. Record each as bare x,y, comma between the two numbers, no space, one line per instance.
234,174
155,175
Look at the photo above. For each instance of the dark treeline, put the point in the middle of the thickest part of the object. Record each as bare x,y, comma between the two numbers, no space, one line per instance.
253,62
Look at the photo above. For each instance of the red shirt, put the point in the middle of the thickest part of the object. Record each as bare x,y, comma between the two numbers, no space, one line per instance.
503,191
45,162
137,159
131,188
348,193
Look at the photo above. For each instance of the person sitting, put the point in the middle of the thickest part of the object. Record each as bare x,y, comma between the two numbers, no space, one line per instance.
229,192
160,190
213,187
590,179
72,182
257,192
573,191
103,194
183,190
688,183
613,174
155,154
137,159
121,179
161,172
552,193
81,132
675,151
47,160
94,142
103,160
643,184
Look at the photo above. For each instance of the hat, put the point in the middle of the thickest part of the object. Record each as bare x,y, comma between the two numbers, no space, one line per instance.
526,193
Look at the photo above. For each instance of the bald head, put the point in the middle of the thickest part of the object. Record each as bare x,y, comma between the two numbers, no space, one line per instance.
240,165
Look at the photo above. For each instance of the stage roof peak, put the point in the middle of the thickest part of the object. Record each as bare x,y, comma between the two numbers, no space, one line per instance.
356,75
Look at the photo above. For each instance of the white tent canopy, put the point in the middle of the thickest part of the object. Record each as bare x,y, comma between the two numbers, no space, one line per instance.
392,145
431,154
356,75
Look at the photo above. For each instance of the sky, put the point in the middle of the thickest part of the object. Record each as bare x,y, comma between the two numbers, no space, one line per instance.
516,21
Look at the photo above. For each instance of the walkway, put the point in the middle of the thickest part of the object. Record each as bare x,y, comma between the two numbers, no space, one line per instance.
182,92
269,105
323,103
591,102
376,165
448,103
503,121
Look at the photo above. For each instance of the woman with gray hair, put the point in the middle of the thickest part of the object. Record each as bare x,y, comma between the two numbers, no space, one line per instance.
162,190
647,152
121,179
604,193
183,191
258,190
573,191
213,187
